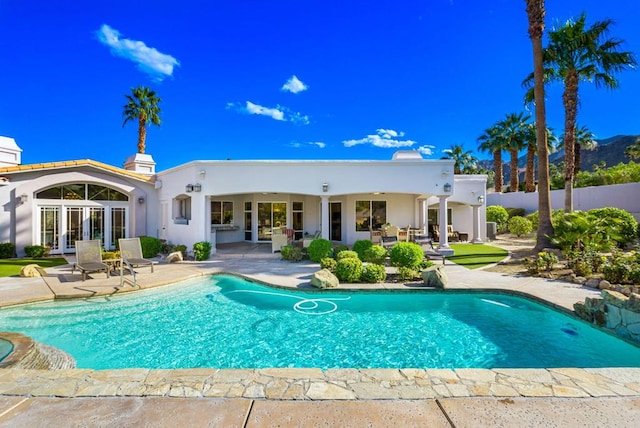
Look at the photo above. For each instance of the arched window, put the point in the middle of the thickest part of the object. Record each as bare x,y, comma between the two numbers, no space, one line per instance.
82,191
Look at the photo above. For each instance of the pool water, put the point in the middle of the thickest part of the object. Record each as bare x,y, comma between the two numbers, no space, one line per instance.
226,322
6,348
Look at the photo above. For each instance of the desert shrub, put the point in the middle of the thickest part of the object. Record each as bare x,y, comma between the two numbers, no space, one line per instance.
375,254
520,226
319,249
349,269
498,215
407,274
7,250
328,263
544,261
361,246
338,249
515,212
374,273
150,246
623,225
202,250
406,254
346,255
35,250
622,268
585,262
555,214
292,254
110,255
578,230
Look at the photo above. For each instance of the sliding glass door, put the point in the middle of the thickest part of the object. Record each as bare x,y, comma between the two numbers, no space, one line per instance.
270,215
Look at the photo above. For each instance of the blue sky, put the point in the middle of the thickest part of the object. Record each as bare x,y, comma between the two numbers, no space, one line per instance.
283,79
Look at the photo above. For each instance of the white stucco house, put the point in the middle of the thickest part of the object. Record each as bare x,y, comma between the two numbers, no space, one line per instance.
224,201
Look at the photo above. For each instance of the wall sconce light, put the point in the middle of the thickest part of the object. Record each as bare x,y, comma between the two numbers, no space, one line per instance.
325,187
447,187
203,173
481,199
24,198
197,187
141,200
188,188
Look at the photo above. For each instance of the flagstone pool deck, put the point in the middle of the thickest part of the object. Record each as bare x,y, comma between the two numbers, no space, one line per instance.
309,397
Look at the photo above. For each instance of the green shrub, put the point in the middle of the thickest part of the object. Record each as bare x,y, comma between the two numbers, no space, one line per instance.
375,254
349,269
498,215
520,226
407,274
406,254
426,264
346,255
578,230
202,250
319,249
328,263
620,222
338,249
374,273
361,246
151,246
515,212
291,253
555,215
35,250
182,249
7,250
110,255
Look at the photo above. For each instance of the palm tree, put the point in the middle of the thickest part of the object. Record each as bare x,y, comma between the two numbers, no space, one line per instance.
532,147
512,129
142,105
491,141
535,15
575,54
584,139
465,161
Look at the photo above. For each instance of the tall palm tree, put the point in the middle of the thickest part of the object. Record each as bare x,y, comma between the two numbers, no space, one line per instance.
535,15
142,105
464,160
491,141
576,53
513,129
530,135
584,139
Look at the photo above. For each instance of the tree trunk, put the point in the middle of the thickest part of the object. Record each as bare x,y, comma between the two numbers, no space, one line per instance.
497,167
142,134
578,158
569,99
535,13
529,181
513,182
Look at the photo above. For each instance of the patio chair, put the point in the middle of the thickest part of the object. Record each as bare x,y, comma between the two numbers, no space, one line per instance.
389,241
280,237
131,253
307,240
89,258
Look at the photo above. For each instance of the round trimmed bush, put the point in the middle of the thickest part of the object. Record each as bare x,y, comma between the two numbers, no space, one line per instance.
349,269
374,273
319,249
202,250
520,226
361,246
346,255
499,215
406,254
407,274
376,254
328,263
338,249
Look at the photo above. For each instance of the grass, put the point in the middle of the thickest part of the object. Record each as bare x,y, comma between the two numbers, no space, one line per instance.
474,256
11,267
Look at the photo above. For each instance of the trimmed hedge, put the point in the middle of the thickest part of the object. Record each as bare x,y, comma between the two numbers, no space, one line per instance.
35,250
150,246
406,254
7,250
349,269
376,254
374,273
361,246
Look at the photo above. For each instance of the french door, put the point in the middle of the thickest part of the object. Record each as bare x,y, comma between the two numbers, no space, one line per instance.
335,227
270,215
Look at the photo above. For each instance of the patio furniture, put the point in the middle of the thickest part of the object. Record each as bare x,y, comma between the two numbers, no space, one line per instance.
375,237
89,258
307,240
131,253
389,241
280,238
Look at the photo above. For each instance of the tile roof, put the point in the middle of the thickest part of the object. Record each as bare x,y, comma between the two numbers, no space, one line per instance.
72,163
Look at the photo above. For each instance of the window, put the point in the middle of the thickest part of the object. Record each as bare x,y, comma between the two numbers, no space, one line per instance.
247,221
79,191
181,209
297,214
370,215
221,212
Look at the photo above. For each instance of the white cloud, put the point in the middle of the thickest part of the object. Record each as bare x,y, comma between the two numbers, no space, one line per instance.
384,138
149,60
426,150
294,85
318,144
278,112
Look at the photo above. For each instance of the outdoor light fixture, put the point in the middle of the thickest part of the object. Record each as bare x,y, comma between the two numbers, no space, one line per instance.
141,200
197,187
325,187
24,198
203,173
188,188
447,187
481,199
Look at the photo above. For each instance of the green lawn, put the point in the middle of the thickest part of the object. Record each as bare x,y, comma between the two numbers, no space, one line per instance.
473,256
11,267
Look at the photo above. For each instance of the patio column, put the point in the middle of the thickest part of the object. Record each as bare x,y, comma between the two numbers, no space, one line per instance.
425,217
324,228
476,225
444,239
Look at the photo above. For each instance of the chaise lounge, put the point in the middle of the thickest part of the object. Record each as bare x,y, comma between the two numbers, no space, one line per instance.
131,253
89,258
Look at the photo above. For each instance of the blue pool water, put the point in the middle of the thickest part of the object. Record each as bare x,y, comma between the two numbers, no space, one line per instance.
5,348
226,322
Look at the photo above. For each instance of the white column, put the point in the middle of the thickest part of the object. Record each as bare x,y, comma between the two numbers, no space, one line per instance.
444,239
325,217
425,217
476,225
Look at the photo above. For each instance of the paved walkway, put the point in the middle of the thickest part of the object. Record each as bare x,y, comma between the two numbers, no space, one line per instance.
308,397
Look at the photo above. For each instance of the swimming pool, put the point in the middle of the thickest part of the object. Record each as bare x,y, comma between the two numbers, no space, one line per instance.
223,321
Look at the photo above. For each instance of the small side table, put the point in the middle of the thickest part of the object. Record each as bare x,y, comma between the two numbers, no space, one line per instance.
463,237
114,264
